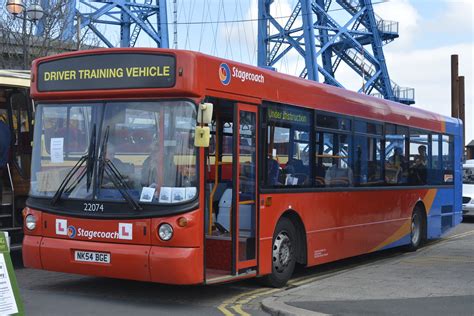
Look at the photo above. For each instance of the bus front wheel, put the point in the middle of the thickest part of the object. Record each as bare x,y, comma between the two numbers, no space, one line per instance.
283,253
416,230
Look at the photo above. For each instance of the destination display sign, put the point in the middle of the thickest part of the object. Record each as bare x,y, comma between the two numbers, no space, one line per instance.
107,71
288,114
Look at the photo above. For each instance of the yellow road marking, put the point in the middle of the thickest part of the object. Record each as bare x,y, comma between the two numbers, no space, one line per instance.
468,233
237,297
435,259
238,309
235,302
437,241
224,310
252,297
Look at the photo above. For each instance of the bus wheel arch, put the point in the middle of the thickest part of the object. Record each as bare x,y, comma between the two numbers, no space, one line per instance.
301,244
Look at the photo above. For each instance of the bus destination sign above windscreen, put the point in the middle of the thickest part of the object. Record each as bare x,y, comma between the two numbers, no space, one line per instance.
109,71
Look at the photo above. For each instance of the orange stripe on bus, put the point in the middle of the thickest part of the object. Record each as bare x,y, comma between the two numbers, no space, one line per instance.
428,199
405,228
402,231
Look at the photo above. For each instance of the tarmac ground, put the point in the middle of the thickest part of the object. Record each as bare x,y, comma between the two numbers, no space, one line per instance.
438,279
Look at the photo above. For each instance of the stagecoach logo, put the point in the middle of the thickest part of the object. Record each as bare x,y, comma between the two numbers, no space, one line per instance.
125,231
71,231
224,74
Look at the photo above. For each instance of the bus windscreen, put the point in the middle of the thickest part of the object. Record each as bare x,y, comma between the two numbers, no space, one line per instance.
144,152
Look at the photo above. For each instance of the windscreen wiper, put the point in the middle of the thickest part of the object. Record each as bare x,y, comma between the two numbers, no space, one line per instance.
90,163
68,178
89,158
103,149
107,166
117,179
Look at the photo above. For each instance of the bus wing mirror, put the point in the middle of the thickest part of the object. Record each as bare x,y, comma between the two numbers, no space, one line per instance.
205,113
202,136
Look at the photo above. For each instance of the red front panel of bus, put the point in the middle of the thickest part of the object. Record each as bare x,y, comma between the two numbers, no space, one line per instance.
131,248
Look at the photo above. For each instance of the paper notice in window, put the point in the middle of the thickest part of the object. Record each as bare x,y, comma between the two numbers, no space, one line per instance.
165,195
147,194
57,150
7,298
190,193
448,178
178,195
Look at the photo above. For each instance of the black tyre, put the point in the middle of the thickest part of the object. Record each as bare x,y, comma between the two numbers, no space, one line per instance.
416,230
283,254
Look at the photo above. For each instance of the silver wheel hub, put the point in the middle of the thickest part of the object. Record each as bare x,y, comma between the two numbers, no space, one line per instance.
415,229
281,251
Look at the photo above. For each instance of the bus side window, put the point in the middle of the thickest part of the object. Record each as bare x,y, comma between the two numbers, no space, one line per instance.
320,169
339,171
287,146
434,170
396,162
447,159
419,157
368,163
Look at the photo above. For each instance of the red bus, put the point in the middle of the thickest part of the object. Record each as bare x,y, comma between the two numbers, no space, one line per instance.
126,183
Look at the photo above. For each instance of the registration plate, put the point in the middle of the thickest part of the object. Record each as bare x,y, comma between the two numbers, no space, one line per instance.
91,256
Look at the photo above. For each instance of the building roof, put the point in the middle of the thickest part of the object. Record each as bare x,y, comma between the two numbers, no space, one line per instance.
15,78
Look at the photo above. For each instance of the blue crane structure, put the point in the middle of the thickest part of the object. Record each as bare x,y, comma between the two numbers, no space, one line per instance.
311,30
324,42
131,16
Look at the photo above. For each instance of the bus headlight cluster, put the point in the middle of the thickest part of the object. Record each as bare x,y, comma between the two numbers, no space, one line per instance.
165,231
30,222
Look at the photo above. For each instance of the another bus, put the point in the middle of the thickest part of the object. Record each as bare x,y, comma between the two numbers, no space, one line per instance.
176,167
16,114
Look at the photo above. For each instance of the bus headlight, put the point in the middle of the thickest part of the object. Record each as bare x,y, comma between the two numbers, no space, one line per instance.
165,231
30,222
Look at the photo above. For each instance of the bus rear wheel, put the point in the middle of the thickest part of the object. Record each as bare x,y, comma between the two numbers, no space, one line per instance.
283,254
416,230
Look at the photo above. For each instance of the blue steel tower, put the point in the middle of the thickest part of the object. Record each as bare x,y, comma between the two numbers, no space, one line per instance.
324,42
130,16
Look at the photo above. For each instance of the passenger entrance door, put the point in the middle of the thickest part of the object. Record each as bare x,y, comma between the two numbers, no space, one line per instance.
245,206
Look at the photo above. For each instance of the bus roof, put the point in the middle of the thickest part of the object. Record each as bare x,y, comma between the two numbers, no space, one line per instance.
288,89
15,78
197,75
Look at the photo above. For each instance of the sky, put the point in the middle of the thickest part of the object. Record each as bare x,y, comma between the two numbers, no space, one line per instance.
429,32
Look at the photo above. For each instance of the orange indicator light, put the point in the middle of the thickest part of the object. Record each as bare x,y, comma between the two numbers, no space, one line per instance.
182,222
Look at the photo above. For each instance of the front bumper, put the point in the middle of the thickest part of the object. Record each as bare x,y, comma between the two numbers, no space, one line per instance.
170,265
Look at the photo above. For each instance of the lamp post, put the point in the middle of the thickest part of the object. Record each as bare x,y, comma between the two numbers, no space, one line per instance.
33,13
